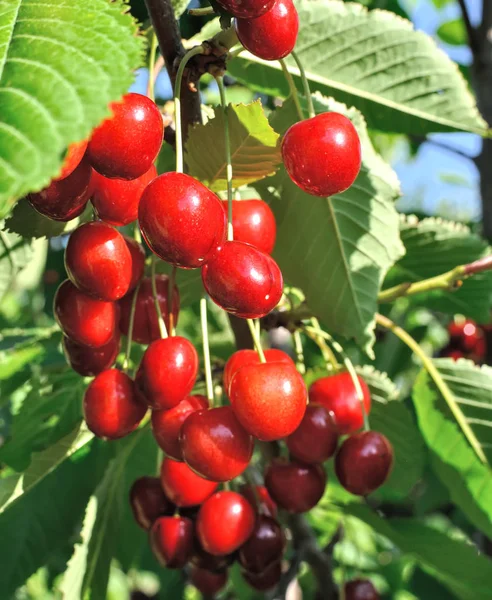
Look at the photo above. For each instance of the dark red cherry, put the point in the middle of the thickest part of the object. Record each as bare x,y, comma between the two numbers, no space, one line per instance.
209,562
264,547
146,325
246,10
260,499
215,445
273,35
363,462
98,261
208,583
225,521
65,199
137,254
315,440
243,280
171,540
338,395
295,486
73,158
264,581
168,372
254,223
148,501
166,424
87,361
182,221
182,486
83,319
112,408
126,144
360,589
466,340
269,399
309,148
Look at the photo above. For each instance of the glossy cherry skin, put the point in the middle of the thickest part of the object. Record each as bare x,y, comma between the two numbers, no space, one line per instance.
112,408
83,319
182,221
254,223
269,399
360,589
126,144
87,361
215,445
171,540
148,501
73,158
295,486
266,580
98,261
182,486
273,35
225,521
315,440
243,280
209,562
467,340
264,547
363,462
137,254
246,10
338,395
208,582
260,499
146,325
322,155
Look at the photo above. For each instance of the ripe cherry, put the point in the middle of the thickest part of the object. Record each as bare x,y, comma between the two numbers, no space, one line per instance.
269,399
254,223
225,521
83,319
209,562
112,408
73,158
295,486
315,440
182,486
264,581
87,361
322,154
243,280
467,340
215,445
208,583
338,395
137,254
364,462
260,499
98,261
182,221
246,10
171,539
126,144
273,35
148,501
264,547
360,589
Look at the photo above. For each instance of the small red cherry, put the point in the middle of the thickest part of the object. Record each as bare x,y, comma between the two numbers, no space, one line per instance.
148,501
254,223
208,583
363,462
466,338
87,361
182,221
126,144
295,486
260,499
315,440
171,540
264,581
137,254
360,589
182,486
215,445
73,158
246,10
112,408
225,521
264,547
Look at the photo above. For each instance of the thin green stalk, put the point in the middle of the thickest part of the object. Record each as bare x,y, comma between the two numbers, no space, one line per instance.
136,233
326,351
256,340
305,85
172,283
160,319
160,458
223,101
301,366
206,350
151,84
292,87
201,12
126,362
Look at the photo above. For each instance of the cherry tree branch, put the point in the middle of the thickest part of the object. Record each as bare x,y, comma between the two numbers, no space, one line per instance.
470,30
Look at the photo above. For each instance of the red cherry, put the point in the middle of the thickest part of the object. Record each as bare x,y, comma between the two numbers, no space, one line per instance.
246,10
364,462
137,254
309,148
215,445
225,521
208,582
166,424
260,499
273,35
148,501
360,589
182,486
171,539
73,158
269,399
254,223
182,221
264,547
315,440
126,144
168,372
209,562
87,361
243,280
83,319
98,261
65,199
264,581
466,337
295,486
338,395
111,405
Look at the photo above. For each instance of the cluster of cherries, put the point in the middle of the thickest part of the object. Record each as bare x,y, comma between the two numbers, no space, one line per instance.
466,340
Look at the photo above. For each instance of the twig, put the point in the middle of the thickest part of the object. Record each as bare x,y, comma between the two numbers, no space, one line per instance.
470,30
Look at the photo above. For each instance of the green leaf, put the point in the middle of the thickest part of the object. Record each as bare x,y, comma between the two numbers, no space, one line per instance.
15,254
61,63
382,389
453,32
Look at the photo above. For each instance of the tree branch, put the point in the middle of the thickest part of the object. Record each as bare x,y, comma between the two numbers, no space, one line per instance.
473,39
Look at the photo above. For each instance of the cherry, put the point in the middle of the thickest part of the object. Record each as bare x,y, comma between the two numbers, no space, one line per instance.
264,547
273,35
182,221
209,562
182,486
264,581
269,399
338,395
225,521
83,319
259,498
295,486
98,261
116,200
126,144
254,223
466,340
112,408
65,199
246,10
87,361
215,445
168,372
364,462
146,325
360,589
322,155
243,280
137,254
148,501
171,539
73,158
315,440
207,582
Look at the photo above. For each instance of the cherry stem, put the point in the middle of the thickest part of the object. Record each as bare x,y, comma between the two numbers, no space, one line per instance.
223,101
305,84
328,356
160,458
300,364
256,340
201,12
206,351
136,233
151,83
170,297
160,319
292,87
126,362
